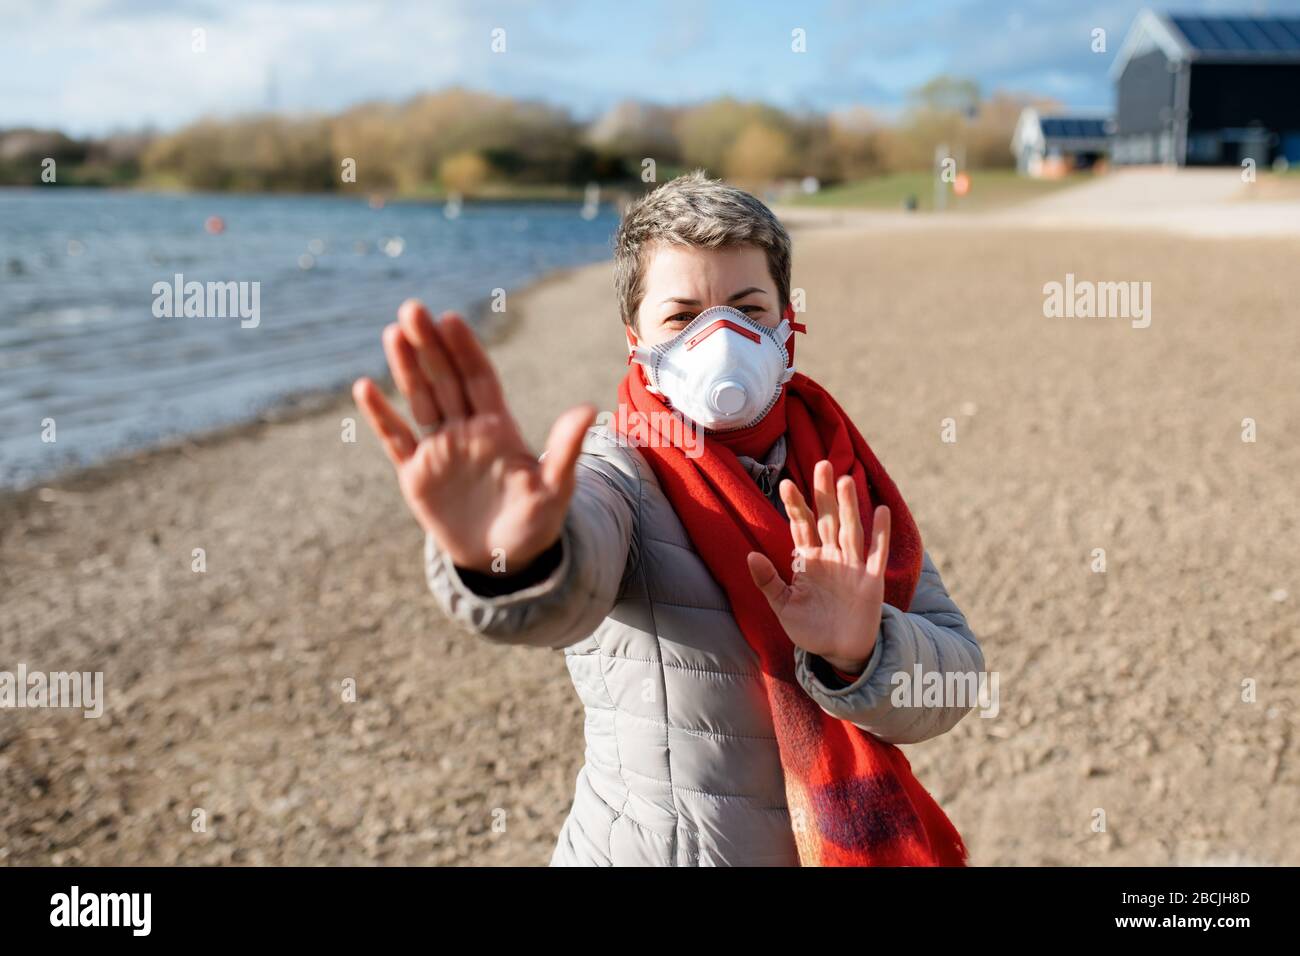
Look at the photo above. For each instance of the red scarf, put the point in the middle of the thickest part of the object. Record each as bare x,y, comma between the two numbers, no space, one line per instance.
853,798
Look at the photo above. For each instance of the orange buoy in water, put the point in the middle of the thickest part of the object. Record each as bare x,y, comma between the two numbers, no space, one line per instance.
215,225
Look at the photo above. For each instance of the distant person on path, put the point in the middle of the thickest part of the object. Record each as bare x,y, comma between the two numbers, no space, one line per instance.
739,587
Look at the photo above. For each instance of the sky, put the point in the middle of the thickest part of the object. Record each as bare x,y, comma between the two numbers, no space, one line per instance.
94,66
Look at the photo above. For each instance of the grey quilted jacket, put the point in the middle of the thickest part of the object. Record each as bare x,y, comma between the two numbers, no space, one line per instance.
681,759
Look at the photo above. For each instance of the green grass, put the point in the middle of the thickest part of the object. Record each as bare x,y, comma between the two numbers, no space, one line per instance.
497,190
990,189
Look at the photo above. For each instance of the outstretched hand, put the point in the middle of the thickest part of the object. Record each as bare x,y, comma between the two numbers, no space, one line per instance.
469,478
832,606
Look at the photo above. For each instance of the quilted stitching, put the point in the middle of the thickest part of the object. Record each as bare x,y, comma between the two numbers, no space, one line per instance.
698,664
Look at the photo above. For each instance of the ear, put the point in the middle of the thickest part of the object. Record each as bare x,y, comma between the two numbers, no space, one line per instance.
631,343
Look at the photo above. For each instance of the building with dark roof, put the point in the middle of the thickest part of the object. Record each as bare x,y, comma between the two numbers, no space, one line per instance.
1053,144
1208,90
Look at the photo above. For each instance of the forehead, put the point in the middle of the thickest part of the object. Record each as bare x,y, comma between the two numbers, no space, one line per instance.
675,263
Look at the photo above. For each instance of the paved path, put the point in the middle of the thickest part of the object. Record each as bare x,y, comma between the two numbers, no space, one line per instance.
1196,202
1188,202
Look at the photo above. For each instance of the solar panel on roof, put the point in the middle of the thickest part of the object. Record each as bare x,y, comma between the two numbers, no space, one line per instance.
1242,36
1071,127
1284,33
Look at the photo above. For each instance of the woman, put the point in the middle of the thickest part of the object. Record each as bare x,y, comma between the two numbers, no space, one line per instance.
736,652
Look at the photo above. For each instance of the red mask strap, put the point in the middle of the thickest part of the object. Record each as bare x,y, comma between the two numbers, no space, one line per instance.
788,315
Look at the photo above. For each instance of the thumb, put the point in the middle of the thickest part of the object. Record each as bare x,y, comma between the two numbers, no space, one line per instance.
763,572
563,446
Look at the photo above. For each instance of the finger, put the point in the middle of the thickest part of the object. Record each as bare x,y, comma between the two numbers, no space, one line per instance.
393,432
879,556
851,534
800,515
828,525
563,446
473,367
763,573
410,380
431,352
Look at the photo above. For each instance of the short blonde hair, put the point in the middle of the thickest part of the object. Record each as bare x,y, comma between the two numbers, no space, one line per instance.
693,210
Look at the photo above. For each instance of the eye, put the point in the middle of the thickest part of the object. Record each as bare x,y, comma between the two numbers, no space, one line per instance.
751,309
682,317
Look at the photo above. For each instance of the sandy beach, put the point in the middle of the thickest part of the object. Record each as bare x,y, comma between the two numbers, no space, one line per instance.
1121,692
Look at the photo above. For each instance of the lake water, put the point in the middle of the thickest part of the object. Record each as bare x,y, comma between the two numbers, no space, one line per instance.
81,343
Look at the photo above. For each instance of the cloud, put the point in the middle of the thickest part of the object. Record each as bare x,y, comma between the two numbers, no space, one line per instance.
91,65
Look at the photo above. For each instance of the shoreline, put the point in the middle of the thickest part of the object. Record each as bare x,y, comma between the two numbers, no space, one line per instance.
492,327
497,328
559,196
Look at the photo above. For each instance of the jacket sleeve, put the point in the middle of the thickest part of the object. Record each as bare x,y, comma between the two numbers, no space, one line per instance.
933,635
570,602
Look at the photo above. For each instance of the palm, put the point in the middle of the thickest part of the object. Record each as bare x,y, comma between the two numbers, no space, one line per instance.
472,481
832,606
817,599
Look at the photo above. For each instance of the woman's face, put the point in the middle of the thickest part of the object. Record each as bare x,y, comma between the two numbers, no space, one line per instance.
682,281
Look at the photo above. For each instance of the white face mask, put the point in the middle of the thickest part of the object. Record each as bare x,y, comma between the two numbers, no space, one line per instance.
724,371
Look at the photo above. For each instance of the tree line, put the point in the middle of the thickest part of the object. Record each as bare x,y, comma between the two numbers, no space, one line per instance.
480,144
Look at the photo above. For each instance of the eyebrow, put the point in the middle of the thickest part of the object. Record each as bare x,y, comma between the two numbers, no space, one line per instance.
732,298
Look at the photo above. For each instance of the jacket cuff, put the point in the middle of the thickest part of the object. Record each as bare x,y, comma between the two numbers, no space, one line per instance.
493,584
444,576
816,671
845,677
